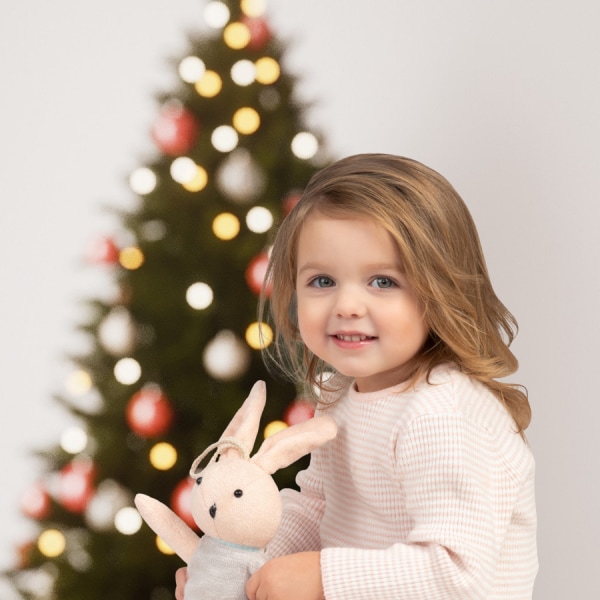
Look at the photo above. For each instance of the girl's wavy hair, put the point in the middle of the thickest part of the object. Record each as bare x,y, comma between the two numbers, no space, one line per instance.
442,258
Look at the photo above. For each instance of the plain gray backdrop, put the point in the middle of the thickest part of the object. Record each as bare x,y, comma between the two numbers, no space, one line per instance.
501,97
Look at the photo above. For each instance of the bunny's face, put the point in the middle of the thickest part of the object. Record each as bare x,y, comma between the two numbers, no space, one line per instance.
236,501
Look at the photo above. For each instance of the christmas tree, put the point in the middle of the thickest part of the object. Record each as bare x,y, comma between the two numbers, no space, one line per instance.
174,352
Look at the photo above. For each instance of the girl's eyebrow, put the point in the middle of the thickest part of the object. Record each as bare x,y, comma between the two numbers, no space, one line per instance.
314,266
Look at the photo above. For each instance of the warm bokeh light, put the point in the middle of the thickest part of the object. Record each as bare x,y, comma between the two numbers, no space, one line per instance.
52,543
209,85
163,456
79,382
163,546
259,335
246,120
131,258
224,138
198,181
274,427
127,371
226,226
199,295
191,69
236,35
267,70
253,8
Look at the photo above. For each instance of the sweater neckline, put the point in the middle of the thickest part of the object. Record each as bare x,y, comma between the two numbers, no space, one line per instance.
437,373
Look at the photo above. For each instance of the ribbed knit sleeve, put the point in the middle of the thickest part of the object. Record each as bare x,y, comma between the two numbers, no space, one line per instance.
302,513
451,549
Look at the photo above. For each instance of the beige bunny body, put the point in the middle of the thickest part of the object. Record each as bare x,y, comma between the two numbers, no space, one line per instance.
235,501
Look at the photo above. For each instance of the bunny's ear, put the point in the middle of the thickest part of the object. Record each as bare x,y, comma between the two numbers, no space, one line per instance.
287,446
246,421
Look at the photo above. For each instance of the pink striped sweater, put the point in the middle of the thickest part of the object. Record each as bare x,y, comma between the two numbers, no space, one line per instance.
426,493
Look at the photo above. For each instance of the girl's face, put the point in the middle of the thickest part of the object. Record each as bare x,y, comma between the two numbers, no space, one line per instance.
356,309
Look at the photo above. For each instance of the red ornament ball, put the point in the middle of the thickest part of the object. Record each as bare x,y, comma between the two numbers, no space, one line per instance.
175,130
35,502
290,201
299,411
149,412
181,501
76,485
260,34
255,273
102,250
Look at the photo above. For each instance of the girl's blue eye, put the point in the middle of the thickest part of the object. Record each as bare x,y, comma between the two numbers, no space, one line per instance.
322,282
383,282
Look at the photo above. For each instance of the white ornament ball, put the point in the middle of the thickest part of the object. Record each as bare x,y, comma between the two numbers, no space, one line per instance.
117,332
101,510
240,177
226,356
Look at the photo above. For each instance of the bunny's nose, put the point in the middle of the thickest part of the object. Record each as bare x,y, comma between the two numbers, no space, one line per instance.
212,511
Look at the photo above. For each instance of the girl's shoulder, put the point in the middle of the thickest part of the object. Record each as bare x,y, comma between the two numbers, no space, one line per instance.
449,390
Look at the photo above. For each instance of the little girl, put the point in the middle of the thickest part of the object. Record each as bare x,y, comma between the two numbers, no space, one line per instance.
382,303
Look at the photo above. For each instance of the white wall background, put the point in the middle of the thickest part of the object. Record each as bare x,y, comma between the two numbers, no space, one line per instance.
501,97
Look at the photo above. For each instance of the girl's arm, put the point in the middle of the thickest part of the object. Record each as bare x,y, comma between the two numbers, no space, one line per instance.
444,465
302,513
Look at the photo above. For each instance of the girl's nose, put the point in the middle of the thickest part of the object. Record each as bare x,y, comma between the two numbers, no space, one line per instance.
349,304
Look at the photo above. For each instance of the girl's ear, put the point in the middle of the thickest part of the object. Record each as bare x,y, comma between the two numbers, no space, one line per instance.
287,446
246,421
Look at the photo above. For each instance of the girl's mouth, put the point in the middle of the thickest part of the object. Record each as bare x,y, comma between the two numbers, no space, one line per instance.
353,338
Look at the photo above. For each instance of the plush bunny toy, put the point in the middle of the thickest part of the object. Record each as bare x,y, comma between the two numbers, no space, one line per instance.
235,501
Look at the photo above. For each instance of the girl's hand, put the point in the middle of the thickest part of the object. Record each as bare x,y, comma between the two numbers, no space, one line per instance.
181,577
292,577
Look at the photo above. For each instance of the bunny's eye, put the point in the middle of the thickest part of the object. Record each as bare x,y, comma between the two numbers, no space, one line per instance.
199,480
238,493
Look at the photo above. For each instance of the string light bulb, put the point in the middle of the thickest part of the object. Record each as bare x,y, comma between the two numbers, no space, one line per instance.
128,521
131,258
224,138
216,14
183,169
163,456
236,35
52,543
191,69
243,72
259,335
127,371
226,226
209,85
267,70
198,180
143,181
253,8
274,427
259,219
246,120
199,295
304,145
163,547
79,382
74,440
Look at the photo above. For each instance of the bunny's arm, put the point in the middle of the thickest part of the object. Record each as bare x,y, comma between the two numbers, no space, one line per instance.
165,523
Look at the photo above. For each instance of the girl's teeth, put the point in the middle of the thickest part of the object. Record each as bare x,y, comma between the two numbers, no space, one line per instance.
352,338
